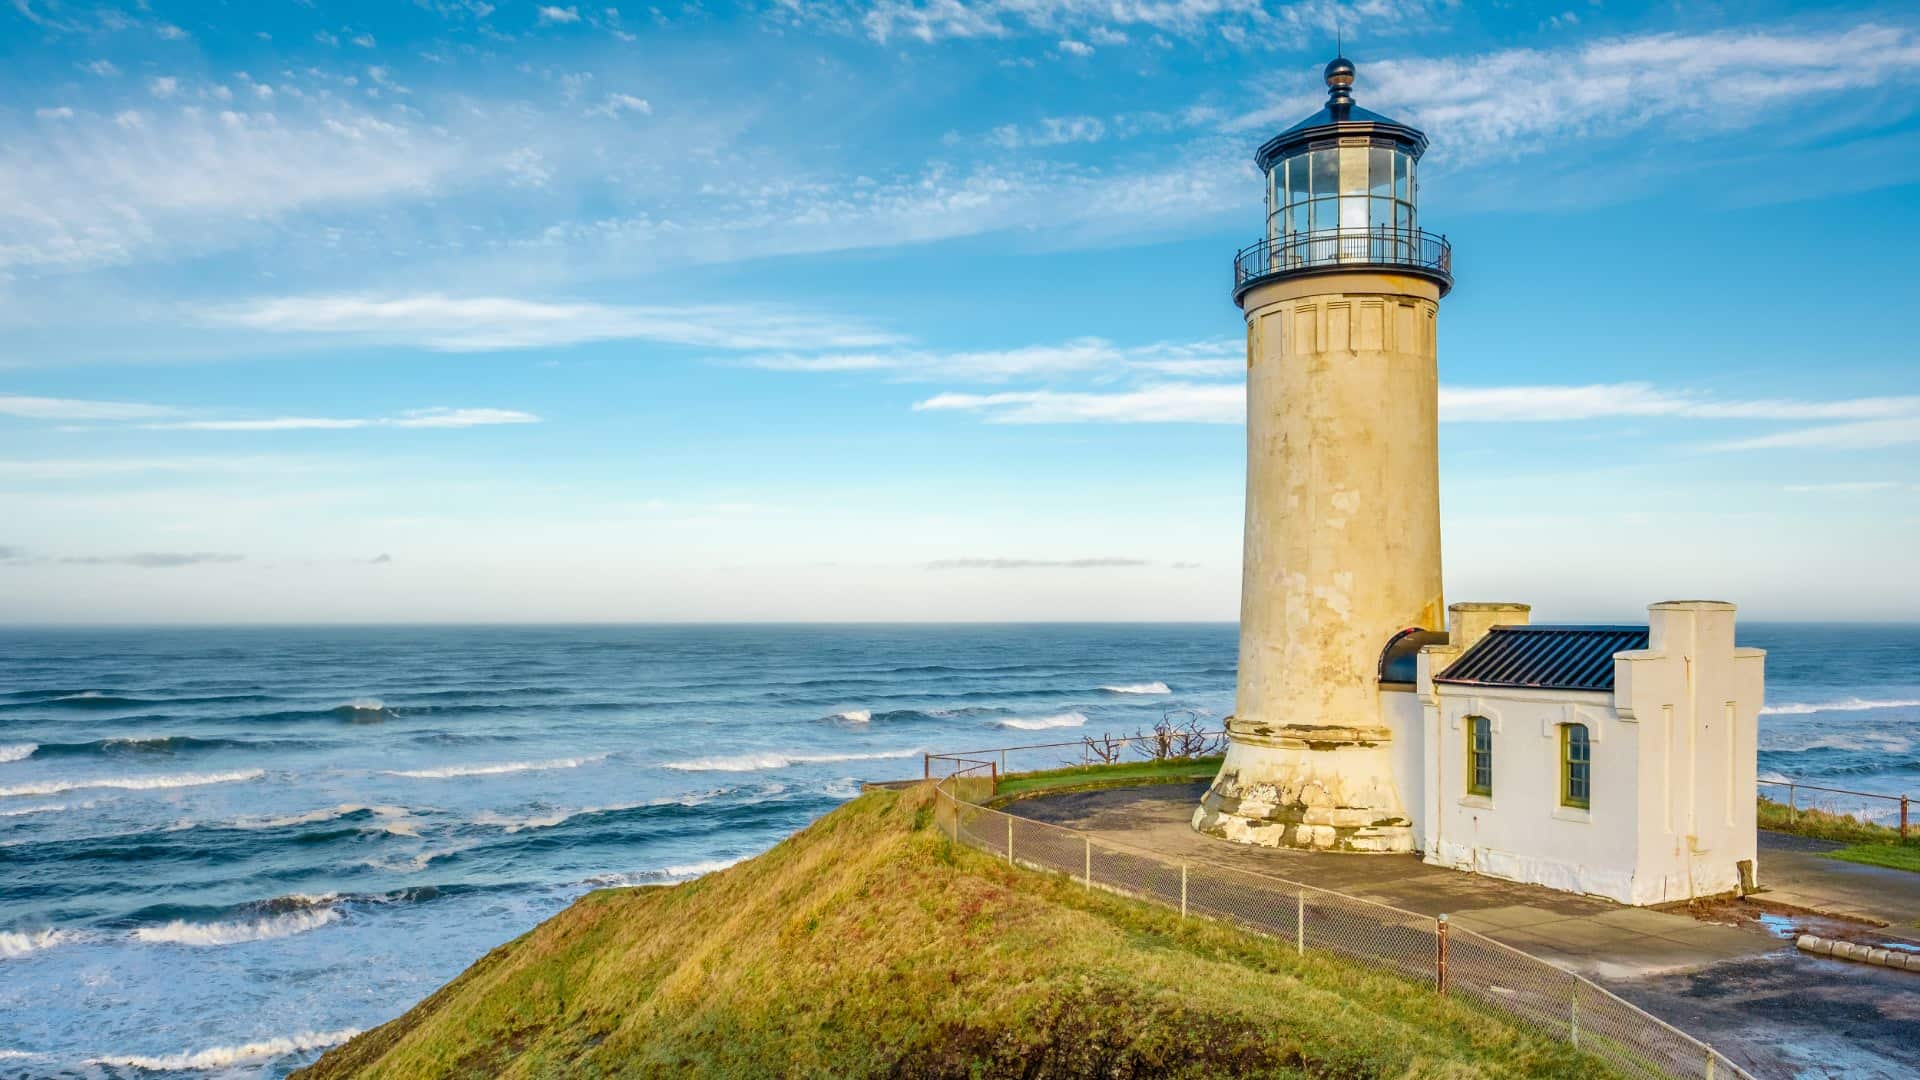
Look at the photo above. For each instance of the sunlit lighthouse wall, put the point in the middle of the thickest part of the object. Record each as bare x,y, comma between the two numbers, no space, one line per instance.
1342,542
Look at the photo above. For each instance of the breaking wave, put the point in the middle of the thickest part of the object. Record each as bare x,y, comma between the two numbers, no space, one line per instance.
1042,723
447,771
853,716
135,783
1850,705
1139,688
17,943
766,759
181,932
666,875
17,751
221,1057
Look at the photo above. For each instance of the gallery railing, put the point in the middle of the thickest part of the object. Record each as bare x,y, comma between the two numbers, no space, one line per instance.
1425,253
1451,960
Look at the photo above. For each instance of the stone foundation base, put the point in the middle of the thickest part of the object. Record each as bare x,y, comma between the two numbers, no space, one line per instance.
1298,788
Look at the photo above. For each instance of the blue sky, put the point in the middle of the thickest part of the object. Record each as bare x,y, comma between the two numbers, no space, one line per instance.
883,309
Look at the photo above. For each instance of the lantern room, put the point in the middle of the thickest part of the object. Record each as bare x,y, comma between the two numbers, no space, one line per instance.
1343,193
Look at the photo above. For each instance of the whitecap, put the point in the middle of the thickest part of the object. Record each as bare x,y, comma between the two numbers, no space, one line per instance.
17,943
135,783
853,716
364,704
17,751
181,932
769,759
448,771
220,1057
1139,688
1875,742
1799,708
844,788
1043,723
666,875
47,809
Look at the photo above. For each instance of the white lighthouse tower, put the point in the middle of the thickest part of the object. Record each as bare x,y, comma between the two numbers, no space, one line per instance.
1342,545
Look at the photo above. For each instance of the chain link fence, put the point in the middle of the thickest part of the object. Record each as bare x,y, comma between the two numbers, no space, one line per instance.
1519,987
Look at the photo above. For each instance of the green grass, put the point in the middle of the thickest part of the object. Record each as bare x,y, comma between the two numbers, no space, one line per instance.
1875,845
869,945
1896,856
1128,773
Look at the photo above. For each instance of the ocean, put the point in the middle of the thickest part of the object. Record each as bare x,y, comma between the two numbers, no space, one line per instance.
224,850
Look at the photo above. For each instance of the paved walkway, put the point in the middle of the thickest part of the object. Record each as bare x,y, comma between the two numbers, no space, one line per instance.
1743,988
1793,872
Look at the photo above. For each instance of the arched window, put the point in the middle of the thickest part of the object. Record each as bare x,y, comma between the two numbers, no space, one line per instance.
1576,766
1479,756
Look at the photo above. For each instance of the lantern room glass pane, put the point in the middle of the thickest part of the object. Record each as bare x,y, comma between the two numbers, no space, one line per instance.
1298,189
1326,172
1379,171
1400,165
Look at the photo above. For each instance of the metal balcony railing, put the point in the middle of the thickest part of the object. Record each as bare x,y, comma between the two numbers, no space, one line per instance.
1424,253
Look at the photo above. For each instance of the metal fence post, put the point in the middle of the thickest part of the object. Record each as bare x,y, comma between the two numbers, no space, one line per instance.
1709,1063
926,766
994,783
1183,890
956,818
1903,819
1573,1014
1440,954
1300,924
1791,814
1009,839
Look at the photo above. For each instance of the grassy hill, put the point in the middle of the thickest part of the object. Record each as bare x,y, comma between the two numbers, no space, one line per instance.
869,945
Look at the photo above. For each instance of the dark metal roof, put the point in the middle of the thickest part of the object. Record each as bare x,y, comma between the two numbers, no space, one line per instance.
1400,660
1340,116
1545,657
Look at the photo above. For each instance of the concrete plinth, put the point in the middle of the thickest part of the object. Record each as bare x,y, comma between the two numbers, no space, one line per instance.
1324,788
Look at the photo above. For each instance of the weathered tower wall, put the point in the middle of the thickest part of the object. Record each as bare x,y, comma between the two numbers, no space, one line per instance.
1342,549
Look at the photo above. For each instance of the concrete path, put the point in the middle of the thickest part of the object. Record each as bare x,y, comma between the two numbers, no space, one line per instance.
1742,988
1793,872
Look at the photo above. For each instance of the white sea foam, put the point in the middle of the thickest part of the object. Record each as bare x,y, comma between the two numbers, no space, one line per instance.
1798,708
221,1057
17,943
666,875
180,932
853,716
364,704
1866,741
844,788
47,809
1042,723
17,751
1139,688
447,771
768,759
135,783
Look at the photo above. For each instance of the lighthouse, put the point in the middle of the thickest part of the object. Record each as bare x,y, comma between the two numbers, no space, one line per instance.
1341,564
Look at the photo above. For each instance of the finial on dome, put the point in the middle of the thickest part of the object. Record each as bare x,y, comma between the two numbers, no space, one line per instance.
1339,81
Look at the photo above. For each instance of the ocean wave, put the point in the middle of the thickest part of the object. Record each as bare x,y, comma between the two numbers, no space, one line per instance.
448,771
1043,723
127,745
768,759
134,783
1863,741
1797,708
25,810
1139,688
666,875
182,932
396,820
221,1057
17,943
853,716
17,751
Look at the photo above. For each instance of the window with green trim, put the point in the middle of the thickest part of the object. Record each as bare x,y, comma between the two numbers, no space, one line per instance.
1479,756
1576,766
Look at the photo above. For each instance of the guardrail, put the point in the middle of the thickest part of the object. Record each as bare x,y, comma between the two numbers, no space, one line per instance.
1425,253
1452,960
1794,787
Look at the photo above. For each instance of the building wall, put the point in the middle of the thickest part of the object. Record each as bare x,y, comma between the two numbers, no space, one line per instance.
1696,699
1403,716
1521,831
1671,814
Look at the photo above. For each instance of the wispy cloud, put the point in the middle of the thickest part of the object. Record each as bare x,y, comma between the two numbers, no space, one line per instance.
155,560
1846,486
485,323
1096,563
1087,355
414,418
1519,100
45,408
1103,21
1881,421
